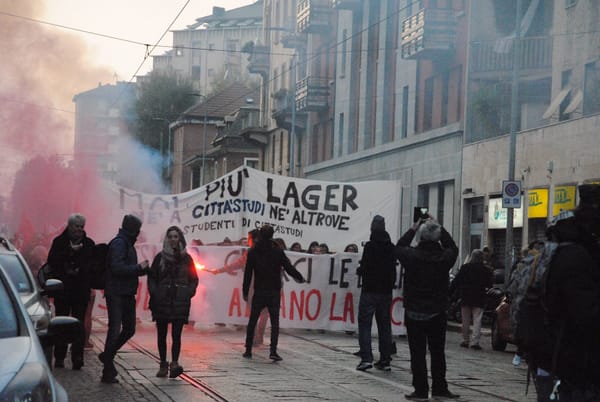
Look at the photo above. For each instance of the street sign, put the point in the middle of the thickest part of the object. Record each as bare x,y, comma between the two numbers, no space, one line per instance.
511,194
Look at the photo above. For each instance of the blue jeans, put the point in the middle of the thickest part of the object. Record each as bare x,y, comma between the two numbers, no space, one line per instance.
378,304
121,327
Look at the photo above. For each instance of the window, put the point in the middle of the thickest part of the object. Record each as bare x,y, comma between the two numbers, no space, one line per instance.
428,104
16,272
178,51
280,151
344,55
477,213
8,320
404,127
251,162
570,3
591,102
196,73
340,134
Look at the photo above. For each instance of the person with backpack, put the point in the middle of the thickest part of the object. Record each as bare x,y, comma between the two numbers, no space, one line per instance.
472,281
172,283
573,299
121,287
70,259
426,281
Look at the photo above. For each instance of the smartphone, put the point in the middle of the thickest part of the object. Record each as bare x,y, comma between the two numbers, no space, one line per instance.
420,213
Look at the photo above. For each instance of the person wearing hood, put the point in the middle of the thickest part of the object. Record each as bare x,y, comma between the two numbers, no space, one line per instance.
172,283
121,287
70,257
426,274
573,299
378,272
264,264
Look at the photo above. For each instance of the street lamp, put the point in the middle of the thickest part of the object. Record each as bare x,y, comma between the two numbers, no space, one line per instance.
202,168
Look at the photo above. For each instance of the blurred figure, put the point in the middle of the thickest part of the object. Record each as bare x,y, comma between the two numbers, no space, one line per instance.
313,248
296,247
172,283
70,258
121,287
378,272
280,243
264,265
323,248
351,248
426,271
472,281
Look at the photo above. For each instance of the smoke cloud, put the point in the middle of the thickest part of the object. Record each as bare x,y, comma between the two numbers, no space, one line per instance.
42,68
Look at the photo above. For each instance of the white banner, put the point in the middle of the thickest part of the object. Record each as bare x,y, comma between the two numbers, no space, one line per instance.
300,210
328,300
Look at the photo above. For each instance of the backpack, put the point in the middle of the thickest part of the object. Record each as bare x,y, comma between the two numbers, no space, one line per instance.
99,265
531,330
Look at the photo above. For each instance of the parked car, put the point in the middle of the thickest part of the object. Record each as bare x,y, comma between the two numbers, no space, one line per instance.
25,374
33,296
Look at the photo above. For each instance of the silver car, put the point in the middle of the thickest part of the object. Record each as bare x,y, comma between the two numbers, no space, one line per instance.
34,297
24,373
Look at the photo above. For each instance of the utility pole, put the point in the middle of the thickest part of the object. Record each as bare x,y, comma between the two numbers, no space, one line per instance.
514,108
292,138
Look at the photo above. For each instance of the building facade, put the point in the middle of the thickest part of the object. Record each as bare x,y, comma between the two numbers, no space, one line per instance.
210,49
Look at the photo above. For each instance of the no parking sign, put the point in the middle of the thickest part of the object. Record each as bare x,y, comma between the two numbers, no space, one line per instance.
511,194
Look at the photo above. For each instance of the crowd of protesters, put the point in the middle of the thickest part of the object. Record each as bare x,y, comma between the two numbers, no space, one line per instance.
569,368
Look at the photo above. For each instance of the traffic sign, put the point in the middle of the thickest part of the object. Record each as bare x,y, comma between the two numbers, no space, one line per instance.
511,194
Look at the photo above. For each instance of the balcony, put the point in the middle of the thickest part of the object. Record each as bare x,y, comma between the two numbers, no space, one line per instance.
281,111
294,40
346,4
258,62
429,34
313,16
497,56
312,94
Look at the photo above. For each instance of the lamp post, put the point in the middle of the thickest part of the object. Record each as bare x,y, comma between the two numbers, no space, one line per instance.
202,166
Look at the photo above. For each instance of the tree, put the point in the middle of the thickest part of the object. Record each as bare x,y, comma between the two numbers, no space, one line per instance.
163,96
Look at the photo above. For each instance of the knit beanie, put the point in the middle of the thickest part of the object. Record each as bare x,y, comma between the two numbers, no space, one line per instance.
378,224
131,224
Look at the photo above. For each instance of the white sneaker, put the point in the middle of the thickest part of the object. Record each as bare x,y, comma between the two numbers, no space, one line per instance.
516,360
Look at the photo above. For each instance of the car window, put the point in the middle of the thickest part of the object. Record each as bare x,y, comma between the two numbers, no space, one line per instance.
16,272
8,318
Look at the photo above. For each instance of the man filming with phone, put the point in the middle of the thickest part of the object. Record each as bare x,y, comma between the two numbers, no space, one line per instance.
426,269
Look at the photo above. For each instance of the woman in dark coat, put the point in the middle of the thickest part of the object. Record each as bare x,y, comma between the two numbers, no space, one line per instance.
473,280
172,283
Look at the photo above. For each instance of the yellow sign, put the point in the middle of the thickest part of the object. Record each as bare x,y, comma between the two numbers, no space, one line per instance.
564,199
538,203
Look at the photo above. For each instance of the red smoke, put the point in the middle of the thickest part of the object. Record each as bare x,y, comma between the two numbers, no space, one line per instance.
42,68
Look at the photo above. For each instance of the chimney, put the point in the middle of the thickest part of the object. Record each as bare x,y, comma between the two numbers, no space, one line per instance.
218,11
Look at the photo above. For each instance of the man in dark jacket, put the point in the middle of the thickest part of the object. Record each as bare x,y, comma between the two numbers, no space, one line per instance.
426,268
573,299
70,258
378,273
472,282
120,290
264,263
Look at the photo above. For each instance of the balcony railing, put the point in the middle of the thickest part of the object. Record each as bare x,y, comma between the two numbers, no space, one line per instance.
430,33
489,56
281,111
312,94
346,4
258,62
313,16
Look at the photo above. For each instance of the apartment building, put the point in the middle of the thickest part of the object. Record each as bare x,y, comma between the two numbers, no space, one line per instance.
209,50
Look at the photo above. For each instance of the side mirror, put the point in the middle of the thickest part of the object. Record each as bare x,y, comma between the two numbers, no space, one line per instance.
52,287
67,329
